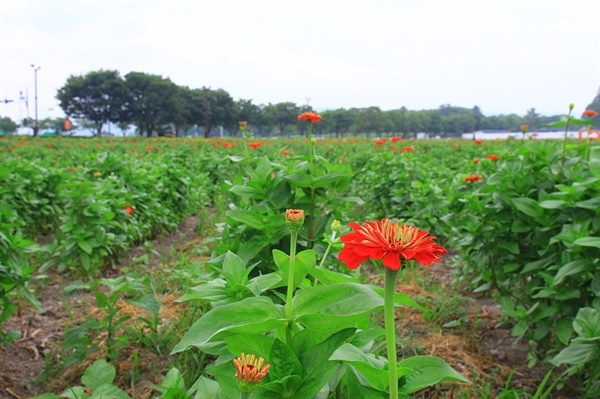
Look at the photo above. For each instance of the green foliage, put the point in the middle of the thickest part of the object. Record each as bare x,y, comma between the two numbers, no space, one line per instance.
97,383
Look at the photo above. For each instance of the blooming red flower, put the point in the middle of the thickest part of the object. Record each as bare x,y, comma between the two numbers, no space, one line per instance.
471,178
380,142
133,150
284,152
312,117
409,149
49,146
590,113
479,142
534,134
476,160
493,157
389,242
255,144
396,138
129,209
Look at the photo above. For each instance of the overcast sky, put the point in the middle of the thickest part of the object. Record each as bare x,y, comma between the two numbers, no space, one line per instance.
503,56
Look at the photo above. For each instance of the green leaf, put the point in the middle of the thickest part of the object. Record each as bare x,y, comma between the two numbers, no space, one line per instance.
528,206
594,163
355,388
212,291
249,218
333,307
576,354
85,247
259,345
75,393
109,391
552,204
207,388
234,269
428,371
318,369
588,242
283,361
99,373
370,367
564,328
255,315
148,302
575,267
329,277
244,191
305,262
76,286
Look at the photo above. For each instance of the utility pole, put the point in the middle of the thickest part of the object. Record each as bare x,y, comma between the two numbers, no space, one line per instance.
36,127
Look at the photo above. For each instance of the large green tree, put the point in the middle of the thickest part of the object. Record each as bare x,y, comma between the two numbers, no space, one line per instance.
98,96
7,125
152,102
281,115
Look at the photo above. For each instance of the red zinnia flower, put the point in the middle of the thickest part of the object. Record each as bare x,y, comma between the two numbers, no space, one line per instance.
590,113
284,152
255,145
396,138
249,370
389,242
313,117
49,146
409,149
471,178
129,209
476,160
133,150
493,157
380,142
478,142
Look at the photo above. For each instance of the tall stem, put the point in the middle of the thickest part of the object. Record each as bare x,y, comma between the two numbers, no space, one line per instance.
290,284
244,395
311,160
333,234
390,328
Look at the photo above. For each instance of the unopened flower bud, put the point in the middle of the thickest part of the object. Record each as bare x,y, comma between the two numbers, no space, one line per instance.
571,106
336,225
294,219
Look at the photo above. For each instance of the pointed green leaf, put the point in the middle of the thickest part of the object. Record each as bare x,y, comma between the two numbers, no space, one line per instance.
588,242
305,262
428,371
255,315
335,306
99,373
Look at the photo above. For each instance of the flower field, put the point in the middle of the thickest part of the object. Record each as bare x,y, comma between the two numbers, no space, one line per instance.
313,268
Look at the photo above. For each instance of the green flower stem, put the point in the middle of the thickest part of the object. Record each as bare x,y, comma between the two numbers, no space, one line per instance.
333,234
244,395
311,160
290,284
390,328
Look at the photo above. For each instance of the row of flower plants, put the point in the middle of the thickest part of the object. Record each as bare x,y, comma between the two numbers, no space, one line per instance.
522,217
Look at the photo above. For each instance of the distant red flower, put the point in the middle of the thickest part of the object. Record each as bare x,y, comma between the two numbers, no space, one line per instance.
284,152
342,159
396,138
49,146
493,157
476,160
225,144
133,150
393,148
312,117
255,144
534,134
129,209
409,149
590,113
99,146
380,142
389,242
479,142
471,178
150,149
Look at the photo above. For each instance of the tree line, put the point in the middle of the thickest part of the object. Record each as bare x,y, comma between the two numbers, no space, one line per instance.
156,105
